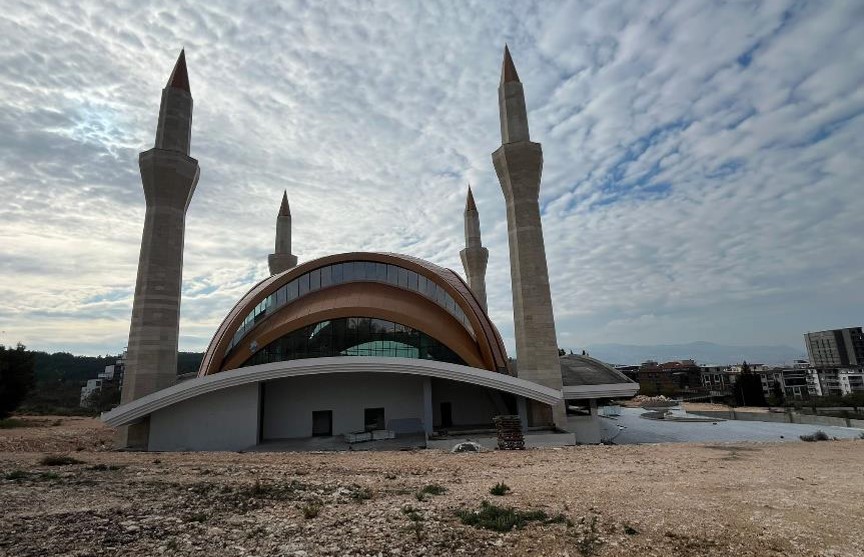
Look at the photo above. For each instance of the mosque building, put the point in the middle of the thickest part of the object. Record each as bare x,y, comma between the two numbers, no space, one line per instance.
354,345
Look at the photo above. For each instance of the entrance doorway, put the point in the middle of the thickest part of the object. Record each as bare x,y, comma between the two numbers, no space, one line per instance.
446,414
322,423
373,419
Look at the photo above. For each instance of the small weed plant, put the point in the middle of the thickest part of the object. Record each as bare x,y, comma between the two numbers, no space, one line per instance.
59,460
360,494
311,509
434,489
499,519
500,489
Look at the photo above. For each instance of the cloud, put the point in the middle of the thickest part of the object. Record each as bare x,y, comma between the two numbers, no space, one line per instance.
701,159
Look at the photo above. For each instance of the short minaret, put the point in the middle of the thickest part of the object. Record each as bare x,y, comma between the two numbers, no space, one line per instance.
474,256
282,259
169,176
519,165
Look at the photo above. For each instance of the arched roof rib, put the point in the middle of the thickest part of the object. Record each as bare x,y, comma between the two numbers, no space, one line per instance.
138,409
455,298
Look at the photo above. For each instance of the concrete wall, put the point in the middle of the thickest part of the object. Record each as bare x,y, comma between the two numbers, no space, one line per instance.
586,429
785,417
289,403
225,420
471,405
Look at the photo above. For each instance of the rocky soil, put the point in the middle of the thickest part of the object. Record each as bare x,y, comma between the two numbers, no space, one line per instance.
683,500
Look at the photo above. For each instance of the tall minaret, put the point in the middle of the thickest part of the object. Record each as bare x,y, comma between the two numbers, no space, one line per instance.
169,176
474,256
519,165
282,259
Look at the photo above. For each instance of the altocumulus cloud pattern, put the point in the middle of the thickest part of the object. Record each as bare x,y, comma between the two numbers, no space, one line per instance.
702,161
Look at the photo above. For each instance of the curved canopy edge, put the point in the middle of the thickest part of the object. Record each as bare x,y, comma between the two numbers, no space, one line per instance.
137,409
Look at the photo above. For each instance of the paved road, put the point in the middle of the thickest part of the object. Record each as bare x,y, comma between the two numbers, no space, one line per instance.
640,430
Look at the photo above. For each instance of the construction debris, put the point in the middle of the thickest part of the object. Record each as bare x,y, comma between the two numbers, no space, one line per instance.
509,430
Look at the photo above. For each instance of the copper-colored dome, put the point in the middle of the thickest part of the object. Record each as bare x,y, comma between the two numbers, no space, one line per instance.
456,320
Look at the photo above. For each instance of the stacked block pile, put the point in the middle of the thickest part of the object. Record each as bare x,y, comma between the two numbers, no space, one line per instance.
509,430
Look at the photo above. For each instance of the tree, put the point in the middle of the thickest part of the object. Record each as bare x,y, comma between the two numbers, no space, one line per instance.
748,388
106,398
16,377
777,394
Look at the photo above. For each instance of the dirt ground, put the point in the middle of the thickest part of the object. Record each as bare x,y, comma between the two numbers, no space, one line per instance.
681,500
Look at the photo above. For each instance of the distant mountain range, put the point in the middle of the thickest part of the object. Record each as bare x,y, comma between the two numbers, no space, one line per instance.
702,352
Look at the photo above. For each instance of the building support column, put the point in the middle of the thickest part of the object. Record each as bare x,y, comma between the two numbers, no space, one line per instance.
427,407
522,409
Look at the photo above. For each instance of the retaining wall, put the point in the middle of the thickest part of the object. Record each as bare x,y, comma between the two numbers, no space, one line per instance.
777,417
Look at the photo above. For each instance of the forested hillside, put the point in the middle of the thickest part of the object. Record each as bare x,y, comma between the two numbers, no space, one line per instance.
59,377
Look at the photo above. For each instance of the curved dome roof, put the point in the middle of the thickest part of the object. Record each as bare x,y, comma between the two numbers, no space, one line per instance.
398,288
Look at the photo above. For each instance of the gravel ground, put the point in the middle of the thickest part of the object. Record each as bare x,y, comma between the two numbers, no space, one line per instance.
678,499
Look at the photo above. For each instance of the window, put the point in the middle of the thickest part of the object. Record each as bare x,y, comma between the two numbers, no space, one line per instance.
354,336
338,273
291,291
381,272
314,280
392,272
326,277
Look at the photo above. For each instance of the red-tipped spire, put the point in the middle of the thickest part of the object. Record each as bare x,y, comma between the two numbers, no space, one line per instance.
508,69
469,202
179,78
284,209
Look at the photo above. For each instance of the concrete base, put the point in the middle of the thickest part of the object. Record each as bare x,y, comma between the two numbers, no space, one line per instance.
532,440
134,436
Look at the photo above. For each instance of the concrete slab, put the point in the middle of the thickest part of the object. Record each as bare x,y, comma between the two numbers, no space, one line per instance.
338,443
639,430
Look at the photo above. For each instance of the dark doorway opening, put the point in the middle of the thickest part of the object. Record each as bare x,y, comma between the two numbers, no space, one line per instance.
446,414
322,423
373,419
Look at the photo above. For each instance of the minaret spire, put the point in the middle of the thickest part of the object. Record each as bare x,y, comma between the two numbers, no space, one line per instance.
169,176
284,208
519,165
174,130
511,102
508,68
179,77
281,259
474,256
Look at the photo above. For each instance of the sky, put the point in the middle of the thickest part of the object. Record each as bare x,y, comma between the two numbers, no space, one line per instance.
702,160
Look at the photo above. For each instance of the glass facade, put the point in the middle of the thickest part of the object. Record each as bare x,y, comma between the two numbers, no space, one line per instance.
351,271
354,336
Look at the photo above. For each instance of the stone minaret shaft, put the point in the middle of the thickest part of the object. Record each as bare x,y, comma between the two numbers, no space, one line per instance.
474,256
282,259
169,176
519,165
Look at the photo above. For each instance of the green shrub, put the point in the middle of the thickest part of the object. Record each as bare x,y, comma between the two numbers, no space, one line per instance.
13,423
20,475
17,475
310,510
412,514
59,460
434,489
360,494
499,519
500,489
